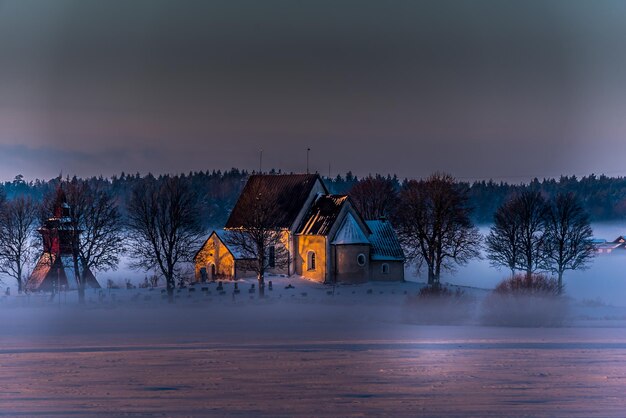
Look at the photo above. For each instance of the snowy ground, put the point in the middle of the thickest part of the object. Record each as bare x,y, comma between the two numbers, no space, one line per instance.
313,350
316,350
603,282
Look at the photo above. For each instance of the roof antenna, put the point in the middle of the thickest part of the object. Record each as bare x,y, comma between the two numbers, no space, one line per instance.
307,160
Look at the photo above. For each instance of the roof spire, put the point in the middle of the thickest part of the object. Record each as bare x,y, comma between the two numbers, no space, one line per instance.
307,159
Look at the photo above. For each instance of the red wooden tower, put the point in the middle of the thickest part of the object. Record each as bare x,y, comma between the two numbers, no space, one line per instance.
55,268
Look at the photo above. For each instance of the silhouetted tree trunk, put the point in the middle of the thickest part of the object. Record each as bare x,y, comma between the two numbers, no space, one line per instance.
96,229
18,222
503,240
258,234
101,240
73,193
568,237
532,210
165,226
433,224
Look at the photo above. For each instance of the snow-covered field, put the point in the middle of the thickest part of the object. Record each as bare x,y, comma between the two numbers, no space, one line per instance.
603,282
312,350
317,350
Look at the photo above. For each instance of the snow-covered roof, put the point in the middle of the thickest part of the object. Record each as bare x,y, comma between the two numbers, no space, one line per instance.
322,215
52,270
609,245
225,236
385,244
350,233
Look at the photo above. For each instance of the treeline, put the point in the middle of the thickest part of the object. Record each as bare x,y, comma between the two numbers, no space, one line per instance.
604,198
218,190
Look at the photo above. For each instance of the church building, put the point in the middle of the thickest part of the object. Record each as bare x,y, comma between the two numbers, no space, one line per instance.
326,238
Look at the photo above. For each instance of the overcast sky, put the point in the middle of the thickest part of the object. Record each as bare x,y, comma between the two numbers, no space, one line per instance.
503,89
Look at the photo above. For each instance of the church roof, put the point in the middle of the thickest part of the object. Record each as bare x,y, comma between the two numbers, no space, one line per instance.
54,271
322,215
225,236
287,192
385,244
350,233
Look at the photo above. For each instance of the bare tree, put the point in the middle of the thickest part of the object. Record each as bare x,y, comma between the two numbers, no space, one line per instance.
101,242
531,210
18,223
502,243
258,240
568,244
93,225
374,197
165,226
69,203
433,224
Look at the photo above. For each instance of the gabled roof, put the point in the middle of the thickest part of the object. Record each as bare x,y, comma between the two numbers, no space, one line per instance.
225,236
322,215
350,233
385,244
287,192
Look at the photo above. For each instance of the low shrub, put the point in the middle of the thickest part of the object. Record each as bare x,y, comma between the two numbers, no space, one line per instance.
533,284
525,301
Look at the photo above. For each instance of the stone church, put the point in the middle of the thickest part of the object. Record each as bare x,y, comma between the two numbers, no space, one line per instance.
326,238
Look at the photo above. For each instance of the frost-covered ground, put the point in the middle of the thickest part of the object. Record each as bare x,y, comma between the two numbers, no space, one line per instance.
312,350
316,350
603,282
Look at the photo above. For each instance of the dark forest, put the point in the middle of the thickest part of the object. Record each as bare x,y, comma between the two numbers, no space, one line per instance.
603,197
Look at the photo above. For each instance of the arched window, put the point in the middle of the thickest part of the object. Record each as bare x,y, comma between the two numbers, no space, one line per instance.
385,268
213,272
360,259
310,262
272,257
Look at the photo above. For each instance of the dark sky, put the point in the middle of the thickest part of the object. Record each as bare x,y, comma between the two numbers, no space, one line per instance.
503,89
